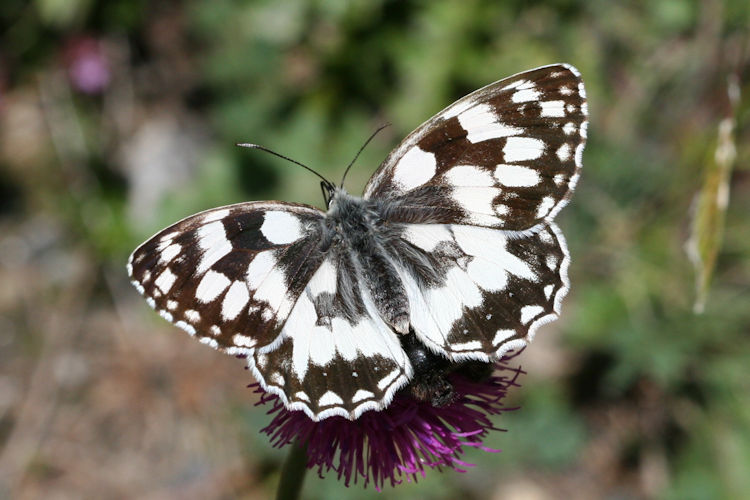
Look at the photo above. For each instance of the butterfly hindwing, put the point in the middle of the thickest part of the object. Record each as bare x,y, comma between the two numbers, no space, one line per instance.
485,291
335,358
230,276
506,156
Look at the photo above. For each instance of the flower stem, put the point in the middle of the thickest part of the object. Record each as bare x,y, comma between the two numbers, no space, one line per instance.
293,473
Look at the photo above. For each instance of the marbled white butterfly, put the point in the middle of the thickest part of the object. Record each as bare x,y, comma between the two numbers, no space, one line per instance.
452,253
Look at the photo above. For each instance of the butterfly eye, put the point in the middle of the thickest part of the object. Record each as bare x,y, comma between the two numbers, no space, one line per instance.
328,191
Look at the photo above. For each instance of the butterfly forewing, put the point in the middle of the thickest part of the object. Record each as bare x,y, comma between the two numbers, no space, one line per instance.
230,276
506,156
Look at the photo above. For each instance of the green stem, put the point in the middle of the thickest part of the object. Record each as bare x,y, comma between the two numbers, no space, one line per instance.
293,473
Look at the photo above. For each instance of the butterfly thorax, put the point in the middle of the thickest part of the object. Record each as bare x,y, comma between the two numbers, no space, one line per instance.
357,236
351,220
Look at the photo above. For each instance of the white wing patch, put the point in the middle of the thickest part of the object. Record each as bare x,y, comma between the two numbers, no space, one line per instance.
324,279
502,335
469,176
215,215
235,300
281,228
530,312
165,280
553,109
259,268
211,286
331,398
545,207
427,236
476,201
362,394
213,240
274,291
516,176
169,253
481,124
563,152
489,245
525,94
415,168
522,149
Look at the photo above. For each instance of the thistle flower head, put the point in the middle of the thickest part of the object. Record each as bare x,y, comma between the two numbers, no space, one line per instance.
402,441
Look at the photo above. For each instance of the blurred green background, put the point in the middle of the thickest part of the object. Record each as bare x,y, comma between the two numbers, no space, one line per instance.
119,117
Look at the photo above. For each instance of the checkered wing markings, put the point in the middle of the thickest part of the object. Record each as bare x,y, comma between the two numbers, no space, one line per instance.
498,286
230,276
506,156
336,358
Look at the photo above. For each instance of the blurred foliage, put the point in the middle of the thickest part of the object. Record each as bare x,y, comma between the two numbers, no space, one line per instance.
119,117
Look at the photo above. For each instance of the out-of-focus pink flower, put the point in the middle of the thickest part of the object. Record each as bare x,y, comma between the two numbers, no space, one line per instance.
403,440
87,65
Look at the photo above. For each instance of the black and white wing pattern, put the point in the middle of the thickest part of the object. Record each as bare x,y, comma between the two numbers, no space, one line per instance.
476,188
252,279
339,358
453,241
506,156
483,291
230,276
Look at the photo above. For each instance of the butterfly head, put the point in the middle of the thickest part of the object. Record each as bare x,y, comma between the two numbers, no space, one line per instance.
329,191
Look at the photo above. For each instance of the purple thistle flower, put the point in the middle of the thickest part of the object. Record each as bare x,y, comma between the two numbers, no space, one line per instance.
401,441
87,65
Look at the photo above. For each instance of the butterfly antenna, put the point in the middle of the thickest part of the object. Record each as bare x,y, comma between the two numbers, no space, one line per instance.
360,150
263,148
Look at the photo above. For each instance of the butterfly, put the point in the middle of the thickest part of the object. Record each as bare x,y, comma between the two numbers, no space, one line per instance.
451,254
